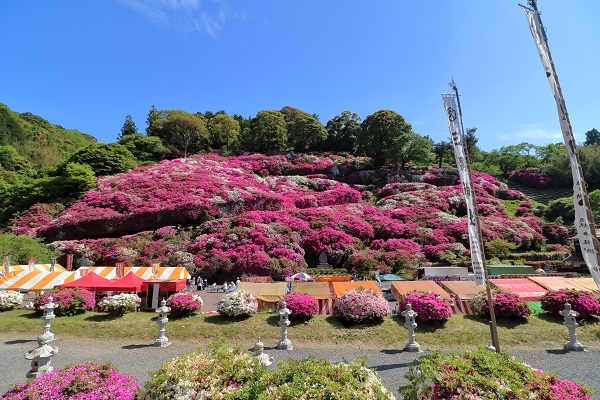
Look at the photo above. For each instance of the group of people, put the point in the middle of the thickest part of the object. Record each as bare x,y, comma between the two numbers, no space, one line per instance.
202,284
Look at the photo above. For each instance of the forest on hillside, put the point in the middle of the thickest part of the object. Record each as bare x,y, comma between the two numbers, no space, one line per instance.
227,195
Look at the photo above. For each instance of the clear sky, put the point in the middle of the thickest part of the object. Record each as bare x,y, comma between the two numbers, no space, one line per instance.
87,64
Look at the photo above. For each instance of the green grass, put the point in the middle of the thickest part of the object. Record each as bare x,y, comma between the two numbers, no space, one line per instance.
540,331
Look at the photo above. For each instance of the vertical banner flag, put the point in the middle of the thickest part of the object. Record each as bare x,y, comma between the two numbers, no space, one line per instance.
69,262
6,265
120,266
155,270
584,220
465,178
52,263
31,263
83,271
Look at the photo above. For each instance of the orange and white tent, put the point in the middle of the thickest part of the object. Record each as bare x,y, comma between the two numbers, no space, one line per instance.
339,288
162,273
35,281
36,267
400,289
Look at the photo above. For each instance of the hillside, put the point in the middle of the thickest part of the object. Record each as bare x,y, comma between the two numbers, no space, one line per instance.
225,216
42,143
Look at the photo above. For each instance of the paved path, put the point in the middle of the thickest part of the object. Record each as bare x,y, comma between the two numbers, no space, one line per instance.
137,359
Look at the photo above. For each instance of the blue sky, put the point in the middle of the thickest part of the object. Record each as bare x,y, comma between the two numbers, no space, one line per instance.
87,64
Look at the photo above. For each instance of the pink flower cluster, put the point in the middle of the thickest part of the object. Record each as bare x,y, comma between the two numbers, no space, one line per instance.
302,306
361,305
532,177
429,306
506,304
35,217
77,382
69,301
584,303
184,304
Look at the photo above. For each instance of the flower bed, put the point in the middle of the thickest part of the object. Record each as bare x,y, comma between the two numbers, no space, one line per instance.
237,304
9,300
484,374
70,301
302,306
429,306
506,304
184,304
78,382
361,305
120,304
583,302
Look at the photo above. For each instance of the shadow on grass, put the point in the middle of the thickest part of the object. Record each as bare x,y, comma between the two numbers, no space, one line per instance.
224,320
504,322
345,324
101,317
31,315
273,320
430,326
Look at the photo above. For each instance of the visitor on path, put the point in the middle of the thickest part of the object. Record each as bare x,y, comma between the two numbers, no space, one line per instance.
225,286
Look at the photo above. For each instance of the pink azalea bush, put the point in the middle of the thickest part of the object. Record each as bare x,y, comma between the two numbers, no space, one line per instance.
77,382
506,304
360,305
429,306
70,301
584,303
184,304
302,306
484,374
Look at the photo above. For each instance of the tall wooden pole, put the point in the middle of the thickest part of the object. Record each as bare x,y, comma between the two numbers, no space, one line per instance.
493,325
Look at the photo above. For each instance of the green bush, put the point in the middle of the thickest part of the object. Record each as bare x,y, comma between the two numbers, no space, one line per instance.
484,374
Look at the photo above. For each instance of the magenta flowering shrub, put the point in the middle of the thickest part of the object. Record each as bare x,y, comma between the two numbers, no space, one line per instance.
360,305
532,177
77,382
506,304
184,304
35,217
70,301
302,306
583,302
429,306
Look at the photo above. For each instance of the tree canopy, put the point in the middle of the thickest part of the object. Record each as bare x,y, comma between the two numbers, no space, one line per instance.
382,136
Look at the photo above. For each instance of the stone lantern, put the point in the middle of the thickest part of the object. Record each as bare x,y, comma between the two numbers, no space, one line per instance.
409,314
264,359
40,356
571,323
163,311
284,322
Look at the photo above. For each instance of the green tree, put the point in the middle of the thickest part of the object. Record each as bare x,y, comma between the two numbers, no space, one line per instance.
304,131
128,128
381,134
186,132
412,148
153,116
442,150
546,152
471,143
514,157
22,247
105,159
11,160
224,131
592,137
342,132
144,148
268,132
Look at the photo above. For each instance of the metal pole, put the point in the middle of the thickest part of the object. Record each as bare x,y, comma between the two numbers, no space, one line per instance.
493,325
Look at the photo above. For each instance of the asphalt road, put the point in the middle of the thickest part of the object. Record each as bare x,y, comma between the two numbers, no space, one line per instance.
138,358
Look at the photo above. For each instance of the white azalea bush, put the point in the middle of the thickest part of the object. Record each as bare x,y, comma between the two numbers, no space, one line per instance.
120,304
237,304
9,300
215,374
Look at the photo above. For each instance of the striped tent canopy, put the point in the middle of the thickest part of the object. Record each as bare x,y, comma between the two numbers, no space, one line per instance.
35,281
400,289
558,282
163,273
36,267
586,282
339,288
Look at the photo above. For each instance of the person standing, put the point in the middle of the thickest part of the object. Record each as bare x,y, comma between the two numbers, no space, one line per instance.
225,287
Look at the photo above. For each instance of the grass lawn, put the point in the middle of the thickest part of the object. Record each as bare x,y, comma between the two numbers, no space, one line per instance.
541,331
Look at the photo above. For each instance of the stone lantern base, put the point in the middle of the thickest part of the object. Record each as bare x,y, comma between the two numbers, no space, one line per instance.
161,342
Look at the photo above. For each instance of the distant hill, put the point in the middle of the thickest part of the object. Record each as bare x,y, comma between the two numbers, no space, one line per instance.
38,140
